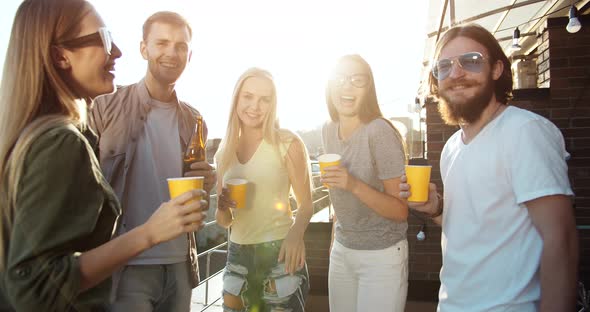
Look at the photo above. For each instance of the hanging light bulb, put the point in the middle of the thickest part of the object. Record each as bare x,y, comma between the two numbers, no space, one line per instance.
515,36
574,24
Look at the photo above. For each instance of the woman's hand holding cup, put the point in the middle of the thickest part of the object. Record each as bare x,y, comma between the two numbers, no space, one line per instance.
224,201
182,214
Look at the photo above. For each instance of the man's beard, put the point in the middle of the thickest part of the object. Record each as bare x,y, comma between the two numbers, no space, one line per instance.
470,110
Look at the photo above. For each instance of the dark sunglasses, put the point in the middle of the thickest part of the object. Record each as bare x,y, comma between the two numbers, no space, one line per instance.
101,37
472,61
356,80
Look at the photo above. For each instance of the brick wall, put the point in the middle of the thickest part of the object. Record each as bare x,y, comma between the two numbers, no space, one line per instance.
317,245
425,256
569,109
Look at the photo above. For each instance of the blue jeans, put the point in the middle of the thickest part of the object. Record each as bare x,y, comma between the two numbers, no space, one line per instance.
254,274
155,287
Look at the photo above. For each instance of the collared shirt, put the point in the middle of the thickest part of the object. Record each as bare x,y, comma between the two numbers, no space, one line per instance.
64,206
119,119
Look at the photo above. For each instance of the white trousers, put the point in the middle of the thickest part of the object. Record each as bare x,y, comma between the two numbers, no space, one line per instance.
368,280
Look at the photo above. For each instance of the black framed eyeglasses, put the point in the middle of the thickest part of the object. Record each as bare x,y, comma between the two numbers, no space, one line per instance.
356,80
101,37
471,61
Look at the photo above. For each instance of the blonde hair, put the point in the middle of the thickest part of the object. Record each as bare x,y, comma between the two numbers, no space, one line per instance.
271,132
34,97
270,128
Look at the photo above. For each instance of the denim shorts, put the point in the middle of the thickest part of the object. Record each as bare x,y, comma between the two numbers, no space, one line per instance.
253,273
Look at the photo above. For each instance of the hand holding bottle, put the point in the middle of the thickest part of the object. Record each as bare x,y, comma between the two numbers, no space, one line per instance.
203,169
195,158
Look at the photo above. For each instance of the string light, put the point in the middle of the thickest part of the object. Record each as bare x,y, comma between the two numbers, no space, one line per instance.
515,36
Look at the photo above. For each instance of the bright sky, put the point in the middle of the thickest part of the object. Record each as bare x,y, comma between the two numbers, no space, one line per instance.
297,41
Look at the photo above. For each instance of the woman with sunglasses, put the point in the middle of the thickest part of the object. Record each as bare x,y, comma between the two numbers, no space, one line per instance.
369,252
58,212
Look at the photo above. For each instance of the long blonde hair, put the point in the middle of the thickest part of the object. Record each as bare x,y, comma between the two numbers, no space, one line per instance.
34,97
270,128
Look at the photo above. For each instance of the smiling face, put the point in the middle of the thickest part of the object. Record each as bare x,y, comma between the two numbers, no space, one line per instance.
349,87
88,69
255,101
466,94
167,50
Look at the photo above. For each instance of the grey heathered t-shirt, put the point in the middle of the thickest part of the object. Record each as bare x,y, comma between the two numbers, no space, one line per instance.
157,158
373,153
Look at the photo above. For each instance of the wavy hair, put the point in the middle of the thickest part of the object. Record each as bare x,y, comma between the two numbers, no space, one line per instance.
503,86
34,97
270,126
369,108
271,132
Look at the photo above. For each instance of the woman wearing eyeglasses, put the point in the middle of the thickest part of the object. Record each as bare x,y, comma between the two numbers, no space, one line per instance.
369,253
58,212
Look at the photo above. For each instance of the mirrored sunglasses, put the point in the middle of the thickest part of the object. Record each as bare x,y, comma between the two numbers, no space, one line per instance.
472,61
101,37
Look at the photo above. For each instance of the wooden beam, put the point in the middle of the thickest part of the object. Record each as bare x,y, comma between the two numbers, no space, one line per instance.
452,12
442,20
501,20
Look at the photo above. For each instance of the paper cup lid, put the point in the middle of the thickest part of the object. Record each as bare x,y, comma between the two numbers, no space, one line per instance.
236,181
185,178
418,162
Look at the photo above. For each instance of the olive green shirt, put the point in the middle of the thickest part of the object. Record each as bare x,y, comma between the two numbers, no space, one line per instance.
64,207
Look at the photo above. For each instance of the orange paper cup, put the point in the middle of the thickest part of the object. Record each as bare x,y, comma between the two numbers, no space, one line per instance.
418,179
178,186
237,191
328,160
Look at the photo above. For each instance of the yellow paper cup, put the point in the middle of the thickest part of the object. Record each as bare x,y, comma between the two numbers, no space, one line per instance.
418,179
178,186
237,191
328,160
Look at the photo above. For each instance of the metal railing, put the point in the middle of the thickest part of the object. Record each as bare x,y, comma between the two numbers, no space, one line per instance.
216,249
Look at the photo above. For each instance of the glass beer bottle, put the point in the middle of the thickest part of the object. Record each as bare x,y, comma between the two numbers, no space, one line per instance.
195,151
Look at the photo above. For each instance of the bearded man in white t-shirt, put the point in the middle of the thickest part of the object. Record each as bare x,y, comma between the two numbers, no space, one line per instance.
509,240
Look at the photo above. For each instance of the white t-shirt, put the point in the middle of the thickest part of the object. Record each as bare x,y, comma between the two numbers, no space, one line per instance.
491,249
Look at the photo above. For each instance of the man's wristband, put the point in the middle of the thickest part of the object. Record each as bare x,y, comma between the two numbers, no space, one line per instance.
439,211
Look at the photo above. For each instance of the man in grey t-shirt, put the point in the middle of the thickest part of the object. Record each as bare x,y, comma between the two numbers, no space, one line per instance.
143,131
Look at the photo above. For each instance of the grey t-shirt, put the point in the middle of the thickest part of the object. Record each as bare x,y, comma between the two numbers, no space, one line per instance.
373,153
157,158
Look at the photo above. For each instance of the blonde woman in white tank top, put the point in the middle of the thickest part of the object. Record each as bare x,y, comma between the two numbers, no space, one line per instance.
266,261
